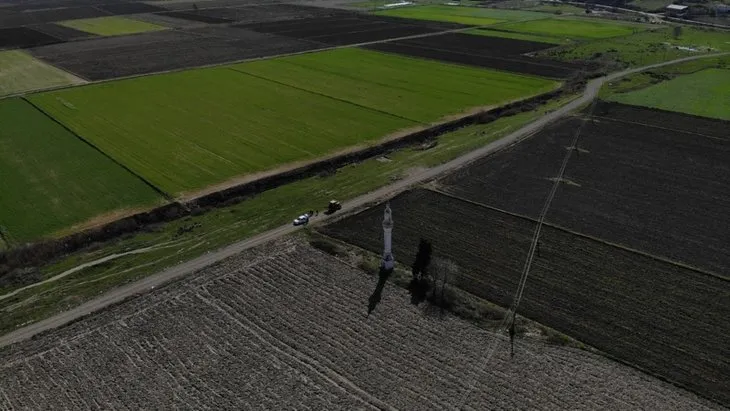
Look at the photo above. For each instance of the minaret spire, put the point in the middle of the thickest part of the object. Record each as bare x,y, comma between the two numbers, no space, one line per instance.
388,260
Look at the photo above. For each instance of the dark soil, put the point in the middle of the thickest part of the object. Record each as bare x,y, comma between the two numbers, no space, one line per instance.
22,37
129,8
491,46
62,32
195,16
659,191
666,119
49,15
665,319
113,57
349,28
208,4
516,64
271,12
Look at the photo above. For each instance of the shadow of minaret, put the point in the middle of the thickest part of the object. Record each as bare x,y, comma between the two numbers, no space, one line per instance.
377,294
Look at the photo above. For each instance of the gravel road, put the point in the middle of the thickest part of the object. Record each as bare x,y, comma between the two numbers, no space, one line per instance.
184,268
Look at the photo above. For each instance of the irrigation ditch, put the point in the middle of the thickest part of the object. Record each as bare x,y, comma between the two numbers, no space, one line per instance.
18,257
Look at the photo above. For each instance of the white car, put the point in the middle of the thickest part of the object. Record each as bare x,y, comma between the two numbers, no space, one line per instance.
302,219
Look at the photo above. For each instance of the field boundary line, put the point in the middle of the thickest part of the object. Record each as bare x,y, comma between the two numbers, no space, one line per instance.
586,236
665,128
323,47
324,95
173,273
164,195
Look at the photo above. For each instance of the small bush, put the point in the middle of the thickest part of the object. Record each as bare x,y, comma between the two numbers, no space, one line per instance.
327,247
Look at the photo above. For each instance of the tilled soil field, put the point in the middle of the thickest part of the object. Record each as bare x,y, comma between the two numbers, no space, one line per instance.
197,17
663,119
270,12
123,8
22,37
106,58
284,327
653,189
349,29
62,32
663,318
25,18
492,46
497,53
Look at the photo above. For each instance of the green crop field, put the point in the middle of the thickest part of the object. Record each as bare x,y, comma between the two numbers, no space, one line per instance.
646,47
478,16
519,36
111,26
20,72
573,28
52,180
420,90
186,131
704,93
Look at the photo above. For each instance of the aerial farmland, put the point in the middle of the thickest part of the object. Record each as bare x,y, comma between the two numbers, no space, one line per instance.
565,167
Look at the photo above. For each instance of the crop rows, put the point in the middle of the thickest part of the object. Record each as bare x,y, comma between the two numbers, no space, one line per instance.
285,327
107,58
498,53
648,188
658,316
46,180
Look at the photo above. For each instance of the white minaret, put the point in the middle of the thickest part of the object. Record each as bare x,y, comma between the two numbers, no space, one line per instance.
388,261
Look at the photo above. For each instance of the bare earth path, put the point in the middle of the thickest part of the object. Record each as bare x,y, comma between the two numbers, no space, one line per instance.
148,283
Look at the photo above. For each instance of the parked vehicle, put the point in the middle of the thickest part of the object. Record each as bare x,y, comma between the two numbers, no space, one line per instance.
333,206
302,219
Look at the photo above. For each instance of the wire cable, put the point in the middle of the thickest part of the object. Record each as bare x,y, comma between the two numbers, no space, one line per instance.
512,312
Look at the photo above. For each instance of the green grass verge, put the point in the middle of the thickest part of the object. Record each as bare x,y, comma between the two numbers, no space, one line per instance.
573,28
646,47
478,16
399,85
20,73
223,226
52,180
645,79
705,93
519,36
556,8
111,26
187,131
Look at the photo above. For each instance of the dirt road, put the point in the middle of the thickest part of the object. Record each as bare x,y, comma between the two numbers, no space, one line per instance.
148,283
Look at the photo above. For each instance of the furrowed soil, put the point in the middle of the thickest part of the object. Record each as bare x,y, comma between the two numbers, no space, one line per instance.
665,319
111,26
62,32
481,51
660,191
24,37
52,180
662,119
284,326
344,30
48,15
479,16
107,58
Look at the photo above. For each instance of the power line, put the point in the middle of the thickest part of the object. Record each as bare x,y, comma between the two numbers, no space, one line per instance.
512,312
